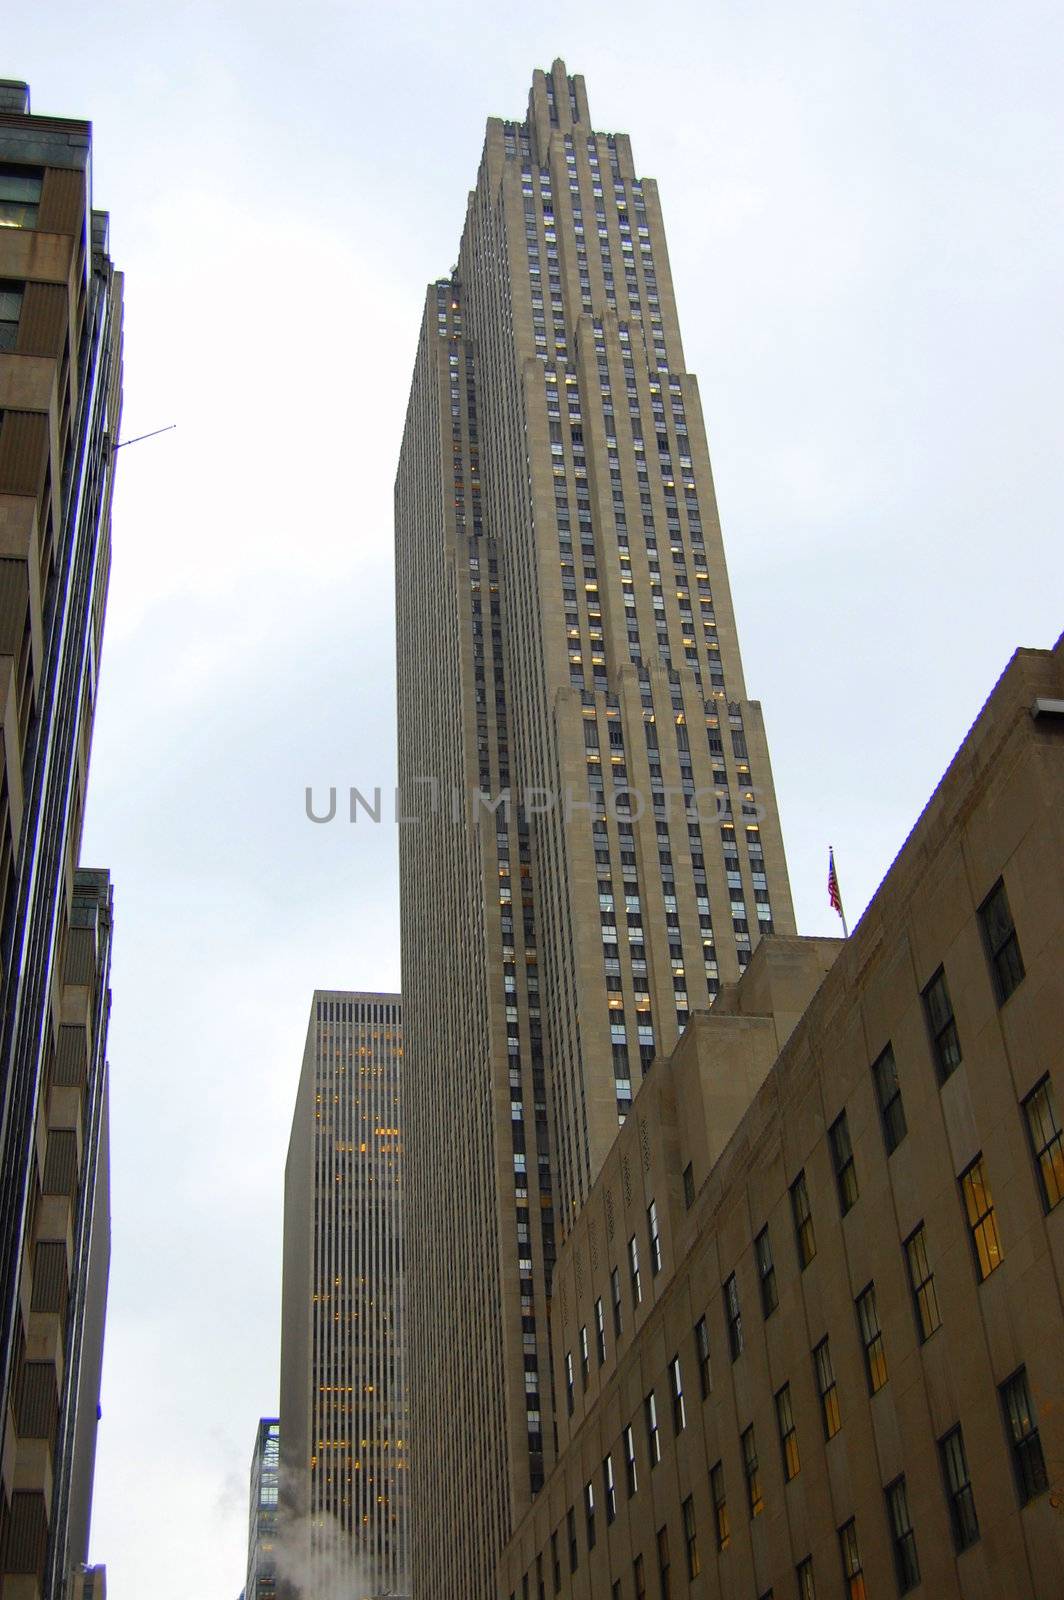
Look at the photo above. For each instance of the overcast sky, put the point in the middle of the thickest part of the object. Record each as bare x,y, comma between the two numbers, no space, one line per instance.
864,219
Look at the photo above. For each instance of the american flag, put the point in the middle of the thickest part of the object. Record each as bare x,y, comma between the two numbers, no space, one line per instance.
834,897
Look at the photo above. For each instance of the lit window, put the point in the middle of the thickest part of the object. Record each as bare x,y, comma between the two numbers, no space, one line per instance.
982,1222
630,1473
803,1572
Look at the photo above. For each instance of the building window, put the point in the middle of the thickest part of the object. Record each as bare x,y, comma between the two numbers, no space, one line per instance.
688,1186
720,1506
752,1473
766,1273
906,1564
615,1292
570,1389
570,1525
639,1581
679,1413
1002,946
705,1371
803,1221
1027,1458
827,1389
585,1358
922,1283
803,1572
609,1489
633,1272
655,1239
888,1093
589,1514
938,1009
955,1475
851,1561
10,312
650,1410
788,1433
556,1564
842,1160
690,1538
663,1562
630,1474
871,1339
600,1331
1047,1142
982,1223
734,1318
20,197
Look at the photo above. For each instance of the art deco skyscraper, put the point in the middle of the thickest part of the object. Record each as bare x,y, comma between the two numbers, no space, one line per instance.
60,401
342,1531
565,632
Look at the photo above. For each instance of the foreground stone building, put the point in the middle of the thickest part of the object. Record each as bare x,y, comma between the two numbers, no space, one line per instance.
808,1329
60,403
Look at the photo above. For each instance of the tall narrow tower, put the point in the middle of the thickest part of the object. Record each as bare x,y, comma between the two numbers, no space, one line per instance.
342,1532
566,638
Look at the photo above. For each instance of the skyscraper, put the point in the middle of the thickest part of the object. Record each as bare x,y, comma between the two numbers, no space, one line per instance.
60,401
342,1526
565,637
262,1513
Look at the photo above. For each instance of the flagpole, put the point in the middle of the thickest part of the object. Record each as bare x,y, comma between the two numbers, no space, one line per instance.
834,892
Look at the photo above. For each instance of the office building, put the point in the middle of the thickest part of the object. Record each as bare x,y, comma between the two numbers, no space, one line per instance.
566,638
342,1526
60,402
808,1325
262,1513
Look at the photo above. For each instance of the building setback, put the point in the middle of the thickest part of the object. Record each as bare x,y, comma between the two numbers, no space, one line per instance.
262,1513
808,1328
342,1526
565,635
60,402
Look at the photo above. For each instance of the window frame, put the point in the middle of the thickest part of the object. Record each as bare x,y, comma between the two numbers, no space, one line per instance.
957,1487
788,1434
766,1273
1006,974
924,1294
843,1164
802,1216
942,1031
871,1333
1054,1143
889,1099
1024,1446
983,1234
902,1535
